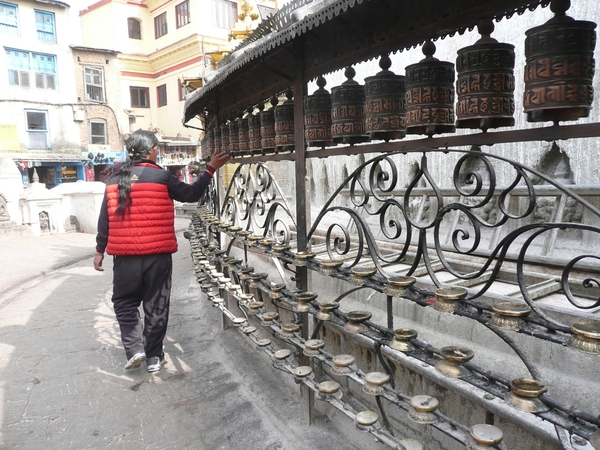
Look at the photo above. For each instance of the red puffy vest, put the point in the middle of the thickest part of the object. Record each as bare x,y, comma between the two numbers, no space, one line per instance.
148,227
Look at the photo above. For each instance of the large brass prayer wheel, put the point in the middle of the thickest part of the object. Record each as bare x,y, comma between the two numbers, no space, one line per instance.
430,95
225,138
234,137
385,105
348,111
559,67
317,116
217,140
243,136
284,124
208,143
267,127
486,82
254,132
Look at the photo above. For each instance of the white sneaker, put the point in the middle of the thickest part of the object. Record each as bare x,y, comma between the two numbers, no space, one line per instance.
135,361
154,363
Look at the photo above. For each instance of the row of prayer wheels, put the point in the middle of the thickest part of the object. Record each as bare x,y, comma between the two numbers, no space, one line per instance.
558,80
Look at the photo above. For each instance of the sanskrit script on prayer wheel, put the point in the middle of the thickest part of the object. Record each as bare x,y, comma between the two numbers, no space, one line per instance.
234,137
216,139
225,138
208,146
254,131
267,127
486,82
430,95
348,111
317,116
284,124
385,105
243,136
559,67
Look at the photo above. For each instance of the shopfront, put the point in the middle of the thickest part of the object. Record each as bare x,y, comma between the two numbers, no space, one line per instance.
175,157
50,169
100,159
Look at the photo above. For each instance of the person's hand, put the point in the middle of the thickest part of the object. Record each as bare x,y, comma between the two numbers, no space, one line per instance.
98,262
218,160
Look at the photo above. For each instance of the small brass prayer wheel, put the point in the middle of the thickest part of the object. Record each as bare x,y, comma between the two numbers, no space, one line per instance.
302,372
448,298
365,420
507,315
341,364
303,299
374,382
325,310
453,359
586,337
268,318
282,354
430,95
398,284
484,436
267,127
355,321
422,408
288,330
225,138
524,395
402,336
234,137
348,111
254,144
300,258
312,347
317,116
284,124
329,389
243,136
559,68
486,82
385,103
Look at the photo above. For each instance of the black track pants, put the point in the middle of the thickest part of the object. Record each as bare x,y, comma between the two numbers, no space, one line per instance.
142,280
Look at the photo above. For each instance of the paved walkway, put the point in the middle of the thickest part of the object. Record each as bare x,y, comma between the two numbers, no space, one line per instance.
62,382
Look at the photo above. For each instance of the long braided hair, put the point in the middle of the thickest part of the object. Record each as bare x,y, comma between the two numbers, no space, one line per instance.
138,146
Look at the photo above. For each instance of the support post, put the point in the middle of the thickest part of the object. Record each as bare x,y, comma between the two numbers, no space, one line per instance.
302,212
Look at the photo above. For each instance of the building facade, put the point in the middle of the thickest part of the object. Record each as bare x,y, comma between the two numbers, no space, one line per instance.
165,48
39,127
102,122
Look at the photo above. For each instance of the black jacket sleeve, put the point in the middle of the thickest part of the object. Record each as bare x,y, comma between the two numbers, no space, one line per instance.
183,192
102,235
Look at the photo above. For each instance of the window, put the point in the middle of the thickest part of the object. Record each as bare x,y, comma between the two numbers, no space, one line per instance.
224,13
9,23
37,129
98,132
94,84
23,67
44,24
160,25
182,14
140,97
161,94
18,68
44,68
135,29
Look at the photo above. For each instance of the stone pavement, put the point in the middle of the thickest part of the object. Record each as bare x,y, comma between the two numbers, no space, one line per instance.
62,382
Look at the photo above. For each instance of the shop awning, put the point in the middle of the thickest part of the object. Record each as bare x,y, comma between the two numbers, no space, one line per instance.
45,157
